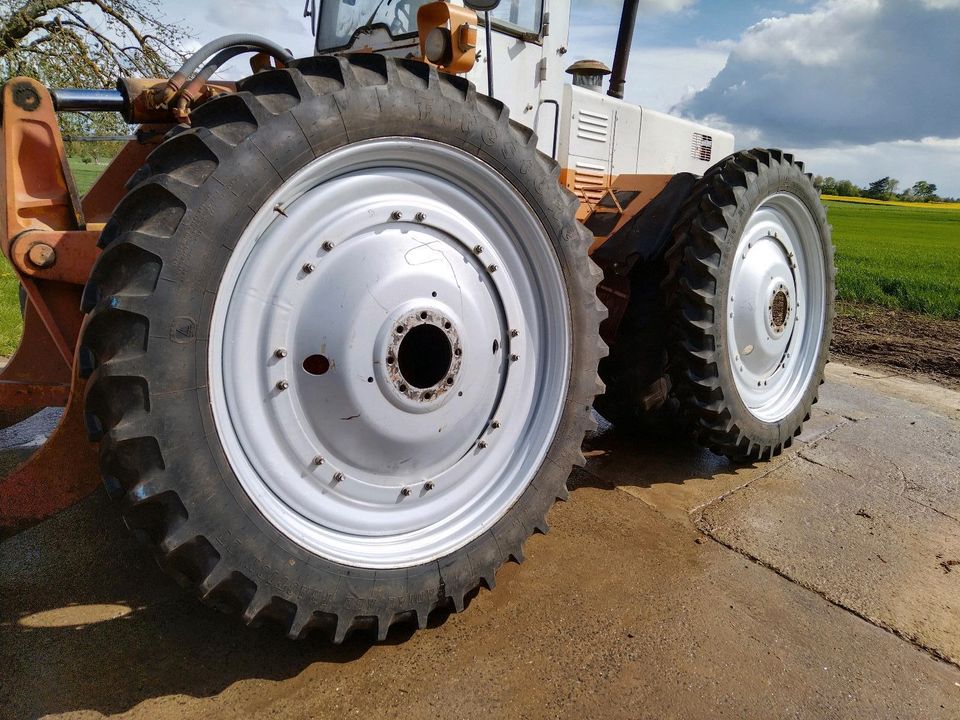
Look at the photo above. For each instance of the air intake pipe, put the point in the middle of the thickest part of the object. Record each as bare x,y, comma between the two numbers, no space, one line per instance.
618,75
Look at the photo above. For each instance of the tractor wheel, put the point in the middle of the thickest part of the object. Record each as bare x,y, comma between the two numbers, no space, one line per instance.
750,292
342,345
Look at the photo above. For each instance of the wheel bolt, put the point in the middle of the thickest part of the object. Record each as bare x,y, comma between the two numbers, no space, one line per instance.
492,268
420,217
405,492
283,385
327,245
318,460
482,444
514,358
514,333
477,249
495,425
429,486
280,352
396,215
308,268
337,476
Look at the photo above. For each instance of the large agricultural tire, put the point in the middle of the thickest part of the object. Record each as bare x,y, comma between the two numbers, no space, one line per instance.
342,345
750,290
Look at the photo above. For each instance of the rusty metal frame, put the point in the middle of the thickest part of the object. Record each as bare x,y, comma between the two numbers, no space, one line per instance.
49,236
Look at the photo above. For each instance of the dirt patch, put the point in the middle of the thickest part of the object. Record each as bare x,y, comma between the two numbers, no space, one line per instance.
903,341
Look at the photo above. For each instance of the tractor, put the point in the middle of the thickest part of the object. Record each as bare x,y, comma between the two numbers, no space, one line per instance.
332,335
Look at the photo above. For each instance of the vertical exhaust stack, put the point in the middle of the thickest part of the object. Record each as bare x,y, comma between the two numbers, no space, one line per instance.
624,39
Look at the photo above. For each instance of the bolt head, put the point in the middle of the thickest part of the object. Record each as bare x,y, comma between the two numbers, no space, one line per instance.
495,424
308,268
396,215
42,255
405,492
482,444
318,460
327,245
429,485
280,352
492,268
477,249
514,357
282,385
420,217
337,476
514,333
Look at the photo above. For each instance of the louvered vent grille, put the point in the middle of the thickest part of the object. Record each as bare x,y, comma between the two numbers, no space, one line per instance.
593,126
589,181
701,148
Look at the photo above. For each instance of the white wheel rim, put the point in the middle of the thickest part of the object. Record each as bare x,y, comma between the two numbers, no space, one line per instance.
358,464
777,307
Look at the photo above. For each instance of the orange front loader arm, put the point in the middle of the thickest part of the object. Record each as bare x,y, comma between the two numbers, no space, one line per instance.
49,236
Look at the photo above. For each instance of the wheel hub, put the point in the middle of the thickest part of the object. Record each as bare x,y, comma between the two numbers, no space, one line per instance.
387,381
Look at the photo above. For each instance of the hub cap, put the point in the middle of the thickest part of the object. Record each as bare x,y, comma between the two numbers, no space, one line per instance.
389,353
777,307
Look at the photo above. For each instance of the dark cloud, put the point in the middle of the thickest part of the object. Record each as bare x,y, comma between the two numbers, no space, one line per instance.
848,71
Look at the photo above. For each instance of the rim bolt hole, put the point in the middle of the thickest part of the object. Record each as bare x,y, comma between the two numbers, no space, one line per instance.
403,388
399,329
391,360
369,379
423,315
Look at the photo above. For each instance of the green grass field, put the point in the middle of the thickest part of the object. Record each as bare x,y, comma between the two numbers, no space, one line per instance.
897,256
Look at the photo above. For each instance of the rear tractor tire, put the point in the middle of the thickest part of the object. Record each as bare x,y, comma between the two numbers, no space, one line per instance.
750,297
342,345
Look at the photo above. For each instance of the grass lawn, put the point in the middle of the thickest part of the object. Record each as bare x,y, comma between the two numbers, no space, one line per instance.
898,256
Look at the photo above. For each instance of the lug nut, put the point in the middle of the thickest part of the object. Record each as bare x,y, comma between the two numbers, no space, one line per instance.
420,217
514,357
327,245
514,333
308,268
495,425
280,352
482,444
283,385
492,268
337,476
477,249
396,215
429,486
405,492
318,460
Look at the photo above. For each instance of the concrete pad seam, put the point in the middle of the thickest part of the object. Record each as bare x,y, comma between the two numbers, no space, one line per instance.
913,640
901,495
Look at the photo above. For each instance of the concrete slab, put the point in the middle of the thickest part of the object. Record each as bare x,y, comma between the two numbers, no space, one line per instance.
625,610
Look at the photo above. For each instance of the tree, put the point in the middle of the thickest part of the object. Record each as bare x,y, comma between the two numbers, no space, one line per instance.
828,186
882,189
845,188
86,43
923,191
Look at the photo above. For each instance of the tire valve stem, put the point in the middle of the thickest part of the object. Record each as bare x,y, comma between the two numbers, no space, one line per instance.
283,385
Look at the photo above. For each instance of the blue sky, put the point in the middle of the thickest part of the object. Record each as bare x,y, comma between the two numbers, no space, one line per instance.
856,88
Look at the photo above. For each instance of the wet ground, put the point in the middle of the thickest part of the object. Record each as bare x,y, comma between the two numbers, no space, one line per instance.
823,584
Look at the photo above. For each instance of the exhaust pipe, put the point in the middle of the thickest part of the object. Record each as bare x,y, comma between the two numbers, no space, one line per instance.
79,100
618,75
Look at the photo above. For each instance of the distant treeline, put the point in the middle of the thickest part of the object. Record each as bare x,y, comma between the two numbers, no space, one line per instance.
883,189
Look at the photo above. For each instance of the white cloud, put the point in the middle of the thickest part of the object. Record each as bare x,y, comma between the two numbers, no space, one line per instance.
847,71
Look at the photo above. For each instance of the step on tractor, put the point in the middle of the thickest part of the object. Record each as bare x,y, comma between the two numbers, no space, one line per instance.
332,335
